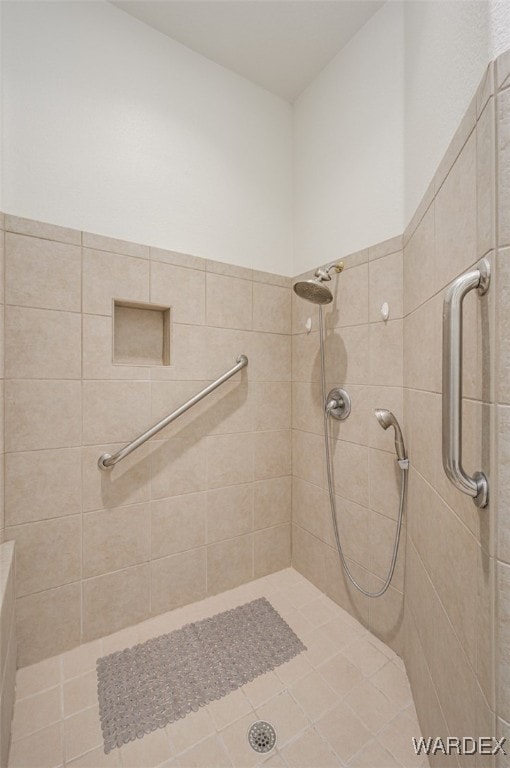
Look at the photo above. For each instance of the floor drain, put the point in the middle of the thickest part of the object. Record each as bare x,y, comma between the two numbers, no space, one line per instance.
262,736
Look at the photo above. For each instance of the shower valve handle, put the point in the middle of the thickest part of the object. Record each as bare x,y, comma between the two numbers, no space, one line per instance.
338,404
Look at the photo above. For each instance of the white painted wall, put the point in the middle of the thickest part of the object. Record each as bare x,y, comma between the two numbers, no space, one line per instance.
447,47
110,126
348,146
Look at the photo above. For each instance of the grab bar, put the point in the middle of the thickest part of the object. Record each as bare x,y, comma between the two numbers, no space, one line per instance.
476,486
107,461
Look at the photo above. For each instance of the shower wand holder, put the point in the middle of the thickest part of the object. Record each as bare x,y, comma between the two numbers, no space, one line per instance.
338,404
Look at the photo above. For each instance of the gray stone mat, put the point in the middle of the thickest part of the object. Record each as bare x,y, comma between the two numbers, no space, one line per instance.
159,681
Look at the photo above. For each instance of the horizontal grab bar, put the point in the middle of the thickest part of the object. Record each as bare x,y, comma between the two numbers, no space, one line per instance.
476,486
107,461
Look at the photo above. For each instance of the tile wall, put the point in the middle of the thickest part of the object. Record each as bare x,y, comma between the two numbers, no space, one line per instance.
202,507
449,594
363,354
502,397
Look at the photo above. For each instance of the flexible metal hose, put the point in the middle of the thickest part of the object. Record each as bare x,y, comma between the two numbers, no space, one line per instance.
332,502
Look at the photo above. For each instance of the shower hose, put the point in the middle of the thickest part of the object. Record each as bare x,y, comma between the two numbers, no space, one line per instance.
332,502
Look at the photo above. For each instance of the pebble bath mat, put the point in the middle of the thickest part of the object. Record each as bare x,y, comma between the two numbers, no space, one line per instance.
152,684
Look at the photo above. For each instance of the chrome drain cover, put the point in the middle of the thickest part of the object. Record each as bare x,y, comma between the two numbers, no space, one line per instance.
262,736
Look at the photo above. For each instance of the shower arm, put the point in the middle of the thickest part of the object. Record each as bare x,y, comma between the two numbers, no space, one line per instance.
107,461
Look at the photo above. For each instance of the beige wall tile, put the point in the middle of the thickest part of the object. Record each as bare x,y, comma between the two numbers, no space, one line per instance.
503,118
382,532
456,586
178,580
485,89
229,512
503,487
350,298
229,459
383,482
453,677
108,276
271,502
460,138
42,273
229,302
455,218
392,245
305,360
272,454
419,263
308,457
385,285
423,346
42,414
42,344
42,230
485,179
42,484
308,556
97,344
387,617
503,322
48,553
179,259
270,358
229,563
307,413
228,409
181,289
178,524
347,355
115,600
222,347
115,539
167,396
271,308
350,465
115,411
230,270
56,614
271,278
503,640
271,404
386,344
183,365
178,466
113,245
311,509
127,483
353,526
502,67
141,335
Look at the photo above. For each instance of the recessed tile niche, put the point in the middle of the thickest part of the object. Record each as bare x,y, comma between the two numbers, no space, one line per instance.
141,333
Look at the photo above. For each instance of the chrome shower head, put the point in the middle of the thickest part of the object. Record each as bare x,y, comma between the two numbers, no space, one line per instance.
314,290
387,419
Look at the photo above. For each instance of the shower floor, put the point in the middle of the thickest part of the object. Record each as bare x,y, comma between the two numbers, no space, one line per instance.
345,701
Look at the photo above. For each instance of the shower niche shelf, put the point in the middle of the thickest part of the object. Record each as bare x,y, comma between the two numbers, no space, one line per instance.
141,333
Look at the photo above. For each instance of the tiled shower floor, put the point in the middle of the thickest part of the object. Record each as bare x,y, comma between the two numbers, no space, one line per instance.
344,702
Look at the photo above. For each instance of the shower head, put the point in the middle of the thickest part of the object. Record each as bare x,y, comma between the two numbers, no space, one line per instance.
314,290
387,419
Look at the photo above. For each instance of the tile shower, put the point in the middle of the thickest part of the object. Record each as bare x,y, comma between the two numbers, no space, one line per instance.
213,511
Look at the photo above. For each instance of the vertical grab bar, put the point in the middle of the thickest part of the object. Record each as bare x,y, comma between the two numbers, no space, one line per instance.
476,486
